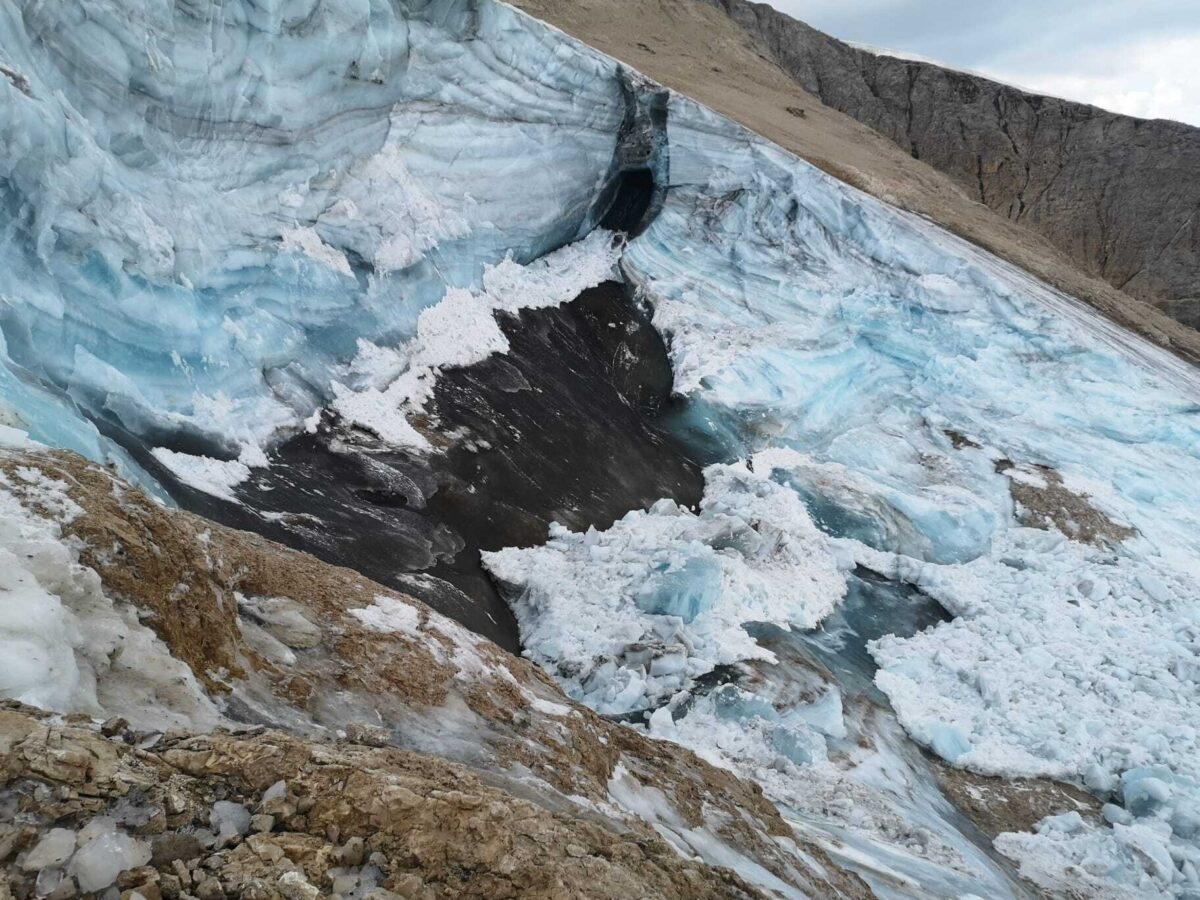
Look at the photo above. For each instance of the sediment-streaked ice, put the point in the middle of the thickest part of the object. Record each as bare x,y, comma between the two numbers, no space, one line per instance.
206,207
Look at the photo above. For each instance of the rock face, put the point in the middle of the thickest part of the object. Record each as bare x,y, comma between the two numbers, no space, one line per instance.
1119,195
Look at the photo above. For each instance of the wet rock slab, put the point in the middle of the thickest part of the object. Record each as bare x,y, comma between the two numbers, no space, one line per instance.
568,426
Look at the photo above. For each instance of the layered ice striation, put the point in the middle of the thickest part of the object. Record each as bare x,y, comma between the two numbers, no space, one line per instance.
207,206
951,424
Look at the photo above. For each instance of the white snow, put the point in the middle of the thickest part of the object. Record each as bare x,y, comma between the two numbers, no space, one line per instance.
630,616
104,853
64,644
460,330
308,241
389,615
213,476
1066,856
705,841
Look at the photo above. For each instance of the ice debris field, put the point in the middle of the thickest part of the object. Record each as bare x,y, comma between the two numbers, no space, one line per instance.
950,424
218,226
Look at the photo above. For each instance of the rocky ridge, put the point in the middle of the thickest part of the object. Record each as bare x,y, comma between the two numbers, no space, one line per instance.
1115,193
263,814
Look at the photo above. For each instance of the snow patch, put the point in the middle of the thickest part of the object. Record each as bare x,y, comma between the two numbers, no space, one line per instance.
65,645
308,241
217,477
391,616
394,384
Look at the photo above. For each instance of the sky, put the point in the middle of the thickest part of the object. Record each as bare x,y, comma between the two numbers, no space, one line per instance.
1139,57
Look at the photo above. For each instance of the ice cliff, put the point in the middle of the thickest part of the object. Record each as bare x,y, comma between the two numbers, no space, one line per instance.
945,507
208,206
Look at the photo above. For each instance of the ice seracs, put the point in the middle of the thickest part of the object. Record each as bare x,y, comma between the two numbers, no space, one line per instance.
954,425
220,224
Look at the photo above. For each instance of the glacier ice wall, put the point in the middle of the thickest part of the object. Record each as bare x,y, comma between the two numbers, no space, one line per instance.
952,424
963,428
205,206
208,209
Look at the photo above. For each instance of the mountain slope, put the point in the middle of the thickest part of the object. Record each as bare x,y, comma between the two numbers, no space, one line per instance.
698,50
463,769
1118,195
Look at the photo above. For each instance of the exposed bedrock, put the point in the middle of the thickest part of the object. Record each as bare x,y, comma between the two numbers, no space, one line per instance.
567,427
1118,194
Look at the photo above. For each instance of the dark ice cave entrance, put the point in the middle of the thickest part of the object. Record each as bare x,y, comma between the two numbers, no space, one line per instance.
634,195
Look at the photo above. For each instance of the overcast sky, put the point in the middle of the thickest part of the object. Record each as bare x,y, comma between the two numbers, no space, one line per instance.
1140,57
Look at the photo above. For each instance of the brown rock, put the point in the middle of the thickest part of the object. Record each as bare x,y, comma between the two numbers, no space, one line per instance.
368,735
114,726
1115,193
168,848
997,805
262,823
132,878
294,886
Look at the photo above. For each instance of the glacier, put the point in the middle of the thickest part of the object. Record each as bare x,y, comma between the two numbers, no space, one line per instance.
952,425
207,207
946,507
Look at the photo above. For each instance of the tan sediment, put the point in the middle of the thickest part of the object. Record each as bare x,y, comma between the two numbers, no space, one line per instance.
998,805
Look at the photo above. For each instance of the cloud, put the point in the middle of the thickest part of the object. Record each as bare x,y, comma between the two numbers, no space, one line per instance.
1154,78
1136,58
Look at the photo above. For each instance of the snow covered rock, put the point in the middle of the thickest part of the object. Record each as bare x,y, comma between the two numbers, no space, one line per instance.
372,672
